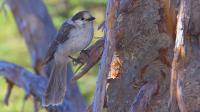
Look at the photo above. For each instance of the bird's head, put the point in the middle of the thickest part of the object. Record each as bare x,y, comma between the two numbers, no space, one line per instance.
82,18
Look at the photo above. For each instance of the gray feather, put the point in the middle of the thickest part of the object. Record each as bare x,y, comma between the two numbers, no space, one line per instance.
57,85
61,37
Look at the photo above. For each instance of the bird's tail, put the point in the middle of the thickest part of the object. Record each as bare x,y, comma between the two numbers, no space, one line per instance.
56,89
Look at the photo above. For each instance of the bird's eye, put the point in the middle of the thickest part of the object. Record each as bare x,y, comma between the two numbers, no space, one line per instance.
82,18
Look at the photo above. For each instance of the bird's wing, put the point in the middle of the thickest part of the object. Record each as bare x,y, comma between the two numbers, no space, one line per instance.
61,37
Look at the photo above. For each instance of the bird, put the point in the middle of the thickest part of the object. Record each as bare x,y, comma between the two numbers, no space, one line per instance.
74,35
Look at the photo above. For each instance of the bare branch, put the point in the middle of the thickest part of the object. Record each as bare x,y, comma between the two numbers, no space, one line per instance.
36,27
9,89
19,76
36,108
35,85
101,26
94,52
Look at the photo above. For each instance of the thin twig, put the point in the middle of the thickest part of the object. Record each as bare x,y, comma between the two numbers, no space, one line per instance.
101,26
36,108
8,93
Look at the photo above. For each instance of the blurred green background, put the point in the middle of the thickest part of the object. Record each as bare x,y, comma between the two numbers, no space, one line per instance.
13,48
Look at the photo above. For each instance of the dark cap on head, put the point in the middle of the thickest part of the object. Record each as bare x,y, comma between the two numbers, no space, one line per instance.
81,15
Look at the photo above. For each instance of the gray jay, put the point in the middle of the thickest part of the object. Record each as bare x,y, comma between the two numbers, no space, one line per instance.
74,35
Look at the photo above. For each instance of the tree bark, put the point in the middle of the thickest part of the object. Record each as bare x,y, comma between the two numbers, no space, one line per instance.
142,34
149,62
178,63
108,52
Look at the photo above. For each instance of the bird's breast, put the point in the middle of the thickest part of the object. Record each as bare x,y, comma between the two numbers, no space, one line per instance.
79,39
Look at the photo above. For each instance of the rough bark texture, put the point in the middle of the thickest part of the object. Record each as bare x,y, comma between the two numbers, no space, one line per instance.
36,26
189,75
144,37
108,53
141,54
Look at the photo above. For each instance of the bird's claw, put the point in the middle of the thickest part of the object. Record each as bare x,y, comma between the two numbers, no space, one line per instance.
76,61
85,52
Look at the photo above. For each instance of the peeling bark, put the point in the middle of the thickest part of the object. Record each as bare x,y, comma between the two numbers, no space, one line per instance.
178,64
108,53
145,33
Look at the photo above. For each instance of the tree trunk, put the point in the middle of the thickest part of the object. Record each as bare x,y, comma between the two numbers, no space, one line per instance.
150,62
141,59
36,26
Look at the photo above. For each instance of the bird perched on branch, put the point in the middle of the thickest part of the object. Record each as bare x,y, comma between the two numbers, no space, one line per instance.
74,35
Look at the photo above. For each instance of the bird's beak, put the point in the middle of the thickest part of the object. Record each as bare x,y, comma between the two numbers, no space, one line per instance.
91,19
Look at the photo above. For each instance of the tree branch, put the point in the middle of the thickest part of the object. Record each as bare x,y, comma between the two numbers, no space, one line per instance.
91,58
9,89
31,83
36,27
35,85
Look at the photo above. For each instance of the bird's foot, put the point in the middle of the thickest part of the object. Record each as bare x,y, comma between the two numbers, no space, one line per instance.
75,60
85,52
